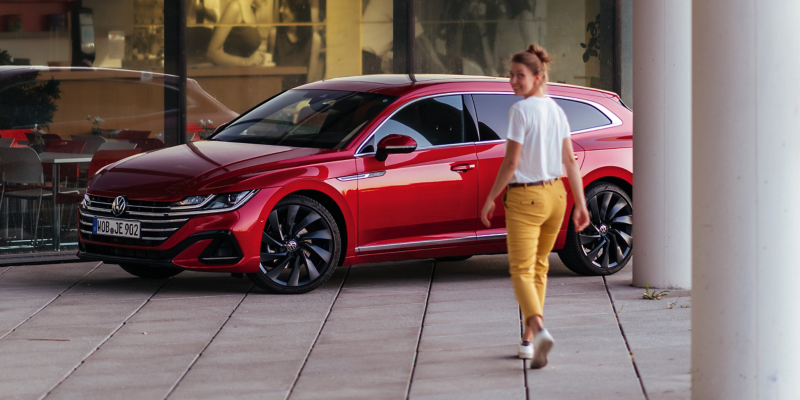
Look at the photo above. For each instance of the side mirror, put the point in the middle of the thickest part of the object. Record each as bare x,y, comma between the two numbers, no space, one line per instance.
395,144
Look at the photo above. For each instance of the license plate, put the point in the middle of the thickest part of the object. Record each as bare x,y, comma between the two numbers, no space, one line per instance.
115,227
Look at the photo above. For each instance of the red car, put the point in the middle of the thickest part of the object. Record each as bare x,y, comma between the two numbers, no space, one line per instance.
349,171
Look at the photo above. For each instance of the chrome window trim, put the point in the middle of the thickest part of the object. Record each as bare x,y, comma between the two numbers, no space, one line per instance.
615,120
430,96
377,247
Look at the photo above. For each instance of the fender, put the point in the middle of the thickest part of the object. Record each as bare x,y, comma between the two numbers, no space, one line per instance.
344,194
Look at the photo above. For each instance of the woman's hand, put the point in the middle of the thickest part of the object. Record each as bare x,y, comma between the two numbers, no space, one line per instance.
255,59
487,212
580,217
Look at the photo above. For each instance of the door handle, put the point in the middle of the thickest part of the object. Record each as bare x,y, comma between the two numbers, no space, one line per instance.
461,168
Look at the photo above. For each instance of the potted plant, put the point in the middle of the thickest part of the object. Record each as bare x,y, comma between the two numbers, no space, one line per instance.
96,130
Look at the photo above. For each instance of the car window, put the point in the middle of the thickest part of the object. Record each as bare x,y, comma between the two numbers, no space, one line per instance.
493,109
431,122
326,119
581,115
492,112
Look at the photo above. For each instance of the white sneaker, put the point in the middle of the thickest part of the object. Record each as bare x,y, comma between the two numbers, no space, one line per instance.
525,352
543,342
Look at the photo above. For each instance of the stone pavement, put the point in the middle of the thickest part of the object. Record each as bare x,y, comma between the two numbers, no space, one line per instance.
414,329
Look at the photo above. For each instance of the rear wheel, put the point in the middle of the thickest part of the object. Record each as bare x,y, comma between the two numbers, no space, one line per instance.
150,272
300,247
604,247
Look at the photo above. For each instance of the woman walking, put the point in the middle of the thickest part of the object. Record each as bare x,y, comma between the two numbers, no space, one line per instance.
537,143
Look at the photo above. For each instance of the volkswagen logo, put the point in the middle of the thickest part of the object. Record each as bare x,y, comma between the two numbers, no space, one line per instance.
291,245
119,205
603,230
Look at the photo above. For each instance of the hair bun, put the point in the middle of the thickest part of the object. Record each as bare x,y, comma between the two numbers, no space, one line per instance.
539,52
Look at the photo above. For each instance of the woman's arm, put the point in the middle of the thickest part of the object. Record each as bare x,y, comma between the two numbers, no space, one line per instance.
580,215
215,52
507,168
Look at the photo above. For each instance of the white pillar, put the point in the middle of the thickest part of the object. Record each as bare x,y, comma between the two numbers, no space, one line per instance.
746,189
662,79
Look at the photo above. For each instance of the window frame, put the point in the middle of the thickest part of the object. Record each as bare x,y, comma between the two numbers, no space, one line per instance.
467,120
615,120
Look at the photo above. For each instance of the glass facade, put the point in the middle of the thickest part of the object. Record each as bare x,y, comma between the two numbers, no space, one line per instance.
162,73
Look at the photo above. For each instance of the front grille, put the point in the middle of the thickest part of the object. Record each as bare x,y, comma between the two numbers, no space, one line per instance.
157,227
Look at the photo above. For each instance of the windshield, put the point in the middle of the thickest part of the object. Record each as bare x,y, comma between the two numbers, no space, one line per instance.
325,119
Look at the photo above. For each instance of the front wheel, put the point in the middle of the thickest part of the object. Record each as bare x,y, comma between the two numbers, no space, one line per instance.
604,247
148,272
300,247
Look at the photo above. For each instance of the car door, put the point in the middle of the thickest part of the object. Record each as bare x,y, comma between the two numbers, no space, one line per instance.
425,198
492,113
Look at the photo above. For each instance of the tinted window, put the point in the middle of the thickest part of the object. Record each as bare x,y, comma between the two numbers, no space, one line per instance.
493,114
431,122
581,115
326,119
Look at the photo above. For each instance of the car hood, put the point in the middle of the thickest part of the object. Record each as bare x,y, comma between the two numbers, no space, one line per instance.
194,168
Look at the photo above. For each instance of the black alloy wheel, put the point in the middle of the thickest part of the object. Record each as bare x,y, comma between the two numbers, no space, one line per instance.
604,247
300,247
150,272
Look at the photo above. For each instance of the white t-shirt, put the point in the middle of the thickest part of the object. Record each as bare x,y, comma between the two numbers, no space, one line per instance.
541,126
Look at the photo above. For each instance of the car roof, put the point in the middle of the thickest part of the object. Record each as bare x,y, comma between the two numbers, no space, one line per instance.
399,85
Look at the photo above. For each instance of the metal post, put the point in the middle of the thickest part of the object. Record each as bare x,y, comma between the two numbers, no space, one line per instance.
175,65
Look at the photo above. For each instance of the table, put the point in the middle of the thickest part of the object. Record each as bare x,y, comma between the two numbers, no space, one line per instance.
57,159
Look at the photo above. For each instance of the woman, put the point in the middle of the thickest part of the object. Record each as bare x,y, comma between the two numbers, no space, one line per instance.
237,46
537,143
299,46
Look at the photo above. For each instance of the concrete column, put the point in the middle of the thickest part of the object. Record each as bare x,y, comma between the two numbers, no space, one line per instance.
746,186
662,83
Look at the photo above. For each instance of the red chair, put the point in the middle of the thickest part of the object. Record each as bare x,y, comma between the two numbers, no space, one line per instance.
105,157
20,140
128,134
193,128
46,137
148,144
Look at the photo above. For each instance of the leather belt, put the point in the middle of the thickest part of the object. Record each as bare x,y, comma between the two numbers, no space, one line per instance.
539,183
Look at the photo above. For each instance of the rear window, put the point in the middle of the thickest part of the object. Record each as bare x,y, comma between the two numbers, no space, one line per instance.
326,119
493,109
581,115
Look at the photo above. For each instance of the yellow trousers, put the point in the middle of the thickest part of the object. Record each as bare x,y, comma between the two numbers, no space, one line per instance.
533,219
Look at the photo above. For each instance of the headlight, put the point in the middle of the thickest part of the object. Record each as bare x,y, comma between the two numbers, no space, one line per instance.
218,202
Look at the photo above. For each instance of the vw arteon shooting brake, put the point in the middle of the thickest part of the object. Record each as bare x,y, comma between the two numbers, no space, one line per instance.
348,171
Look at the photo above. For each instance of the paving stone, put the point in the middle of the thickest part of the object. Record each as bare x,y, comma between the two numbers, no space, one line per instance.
467,384
365,345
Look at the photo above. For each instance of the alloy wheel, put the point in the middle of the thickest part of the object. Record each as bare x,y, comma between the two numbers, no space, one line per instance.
296,246
608,239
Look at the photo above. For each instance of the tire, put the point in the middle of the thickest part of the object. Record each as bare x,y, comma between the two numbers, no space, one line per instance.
300,247
604,247
150,272
453,258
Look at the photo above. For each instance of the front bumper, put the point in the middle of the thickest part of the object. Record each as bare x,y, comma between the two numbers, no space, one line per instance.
223,242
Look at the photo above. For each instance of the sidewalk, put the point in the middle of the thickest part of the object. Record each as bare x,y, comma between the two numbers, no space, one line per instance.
414,329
